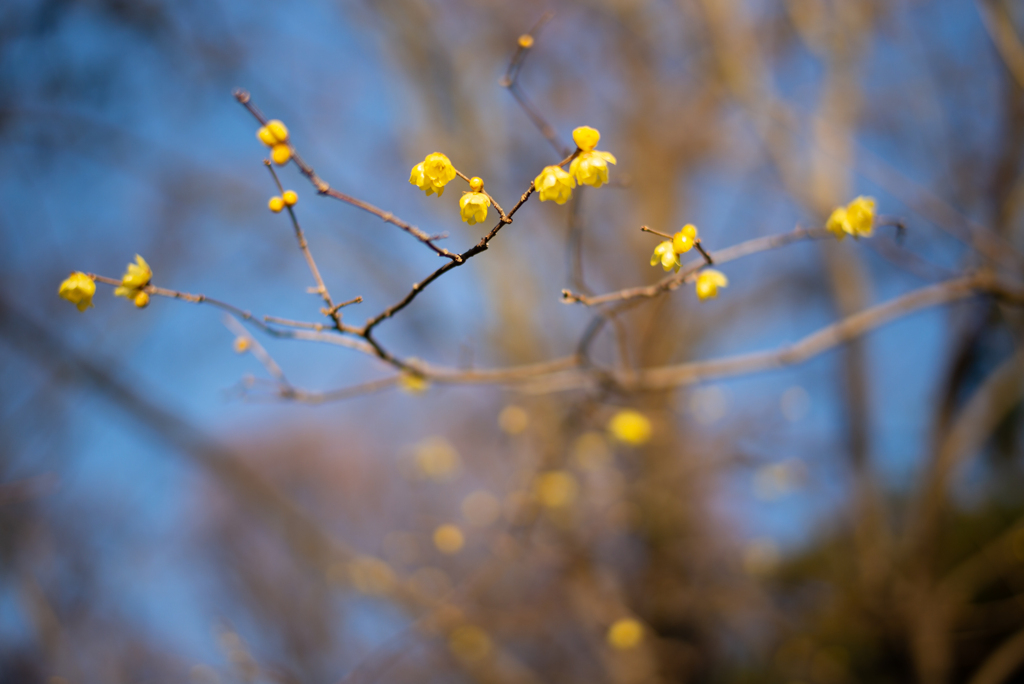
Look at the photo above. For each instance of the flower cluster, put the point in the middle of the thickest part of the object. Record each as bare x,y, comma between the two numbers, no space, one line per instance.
667,252
78,289
288,198
857,219
275,136
135,278
432,174
590,167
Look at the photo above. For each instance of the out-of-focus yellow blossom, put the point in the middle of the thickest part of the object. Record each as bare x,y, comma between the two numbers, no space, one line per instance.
526,41
141,299
469,643
436,459
666,254
474,207
553,183
449,539
590,167
273,133
276,204
433,173
857,219
413,383
683,241
586,138
281,153
78,289
630,427
371,575
625,633
241,344
138,274
708,282
290,197
513,420
556,488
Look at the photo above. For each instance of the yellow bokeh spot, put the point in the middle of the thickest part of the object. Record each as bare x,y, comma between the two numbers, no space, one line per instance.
449,539
241,345
591,451
556,489
625,633
630,427
469,643
413,383
526,41
513,420
481,508
371,575
436,459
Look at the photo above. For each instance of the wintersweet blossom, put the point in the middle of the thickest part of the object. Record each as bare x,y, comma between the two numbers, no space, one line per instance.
685,239
290,197
474,207
666,254
281,153
554,184
708,282
78,289
857,219
590,167
136,277
276,204
273,133
433,173
630,427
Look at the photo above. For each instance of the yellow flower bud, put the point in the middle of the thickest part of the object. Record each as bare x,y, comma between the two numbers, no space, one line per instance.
476,183
586,137
473,207
278,130
683,241
630,427
281,153
290,197
141,299
554,184
275,204
857,219
138,274
526,41
78,289
413,383
708,282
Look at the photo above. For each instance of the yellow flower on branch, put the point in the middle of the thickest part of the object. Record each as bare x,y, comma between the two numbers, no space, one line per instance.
474,207
666,254
857,219
290,197
273,133
630,427
554,184
590,167
281,153
413,383
78,289
276,204
685,239
433,173
708,282
134,279
141,299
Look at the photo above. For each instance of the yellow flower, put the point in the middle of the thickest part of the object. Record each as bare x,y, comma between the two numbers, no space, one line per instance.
586,137
554,184
141,299
666,254
591,168
476,183
708,282
625,633
276,204
526,41
630,427
683,241
134,279
433,173
474,207
857,219
290,197
138,274
78,289
281,153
